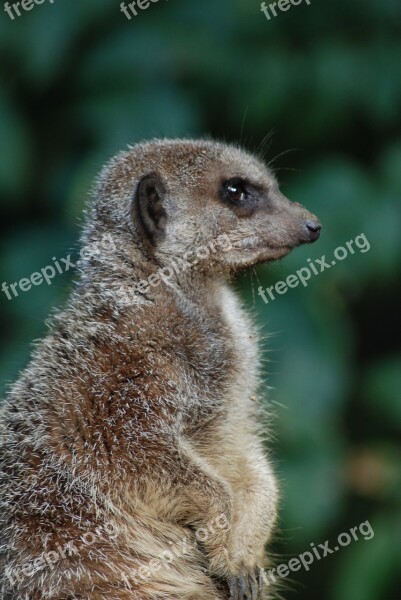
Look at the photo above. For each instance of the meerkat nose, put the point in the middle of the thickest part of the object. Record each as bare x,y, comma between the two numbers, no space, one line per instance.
313,227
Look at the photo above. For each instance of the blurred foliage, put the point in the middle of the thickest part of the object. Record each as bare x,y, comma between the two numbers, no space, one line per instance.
79,82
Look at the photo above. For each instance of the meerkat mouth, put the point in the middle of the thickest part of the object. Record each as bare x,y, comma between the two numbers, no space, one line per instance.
257,253
274,253
253,244
256,243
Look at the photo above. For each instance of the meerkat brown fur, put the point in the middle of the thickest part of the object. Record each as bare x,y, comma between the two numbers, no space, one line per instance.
131,465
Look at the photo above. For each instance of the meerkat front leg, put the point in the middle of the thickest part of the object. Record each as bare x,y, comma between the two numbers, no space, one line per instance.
254,516
190,492
245,494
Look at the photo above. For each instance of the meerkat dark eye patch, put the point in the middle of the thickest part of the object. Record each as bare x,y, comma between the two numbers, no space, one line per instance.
234,190
147,208
241,196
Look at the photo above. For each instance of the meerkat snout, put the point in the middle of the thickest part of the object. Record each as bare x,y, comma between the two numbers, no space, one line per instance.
265,204
313,228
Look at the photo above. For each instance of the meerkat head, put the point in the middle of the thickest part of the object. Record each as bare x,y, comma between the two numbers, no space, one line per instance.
171,197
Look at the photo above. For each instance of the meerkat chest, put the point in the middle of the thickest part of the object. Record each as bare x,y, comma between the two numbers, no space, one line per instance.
229,403
244,346
221,363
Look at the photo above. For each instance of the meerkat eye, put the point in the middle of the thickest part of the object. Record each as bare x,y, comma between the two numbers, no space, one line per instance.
235,190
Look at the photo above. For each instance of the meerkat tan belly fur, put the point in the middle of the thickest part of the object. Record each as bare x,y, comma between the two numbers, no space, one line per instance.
131,465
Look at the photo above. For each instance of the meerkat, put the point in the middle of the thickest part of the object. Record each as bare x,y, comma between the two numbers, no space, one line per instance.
132,465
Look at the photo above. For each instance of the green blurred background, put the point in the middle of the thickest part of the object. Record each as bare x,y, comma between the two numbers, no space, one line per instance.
319,89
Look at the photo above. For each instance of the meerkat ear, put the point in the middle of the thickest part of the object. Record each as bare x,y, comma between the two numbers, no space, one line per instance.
148,210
